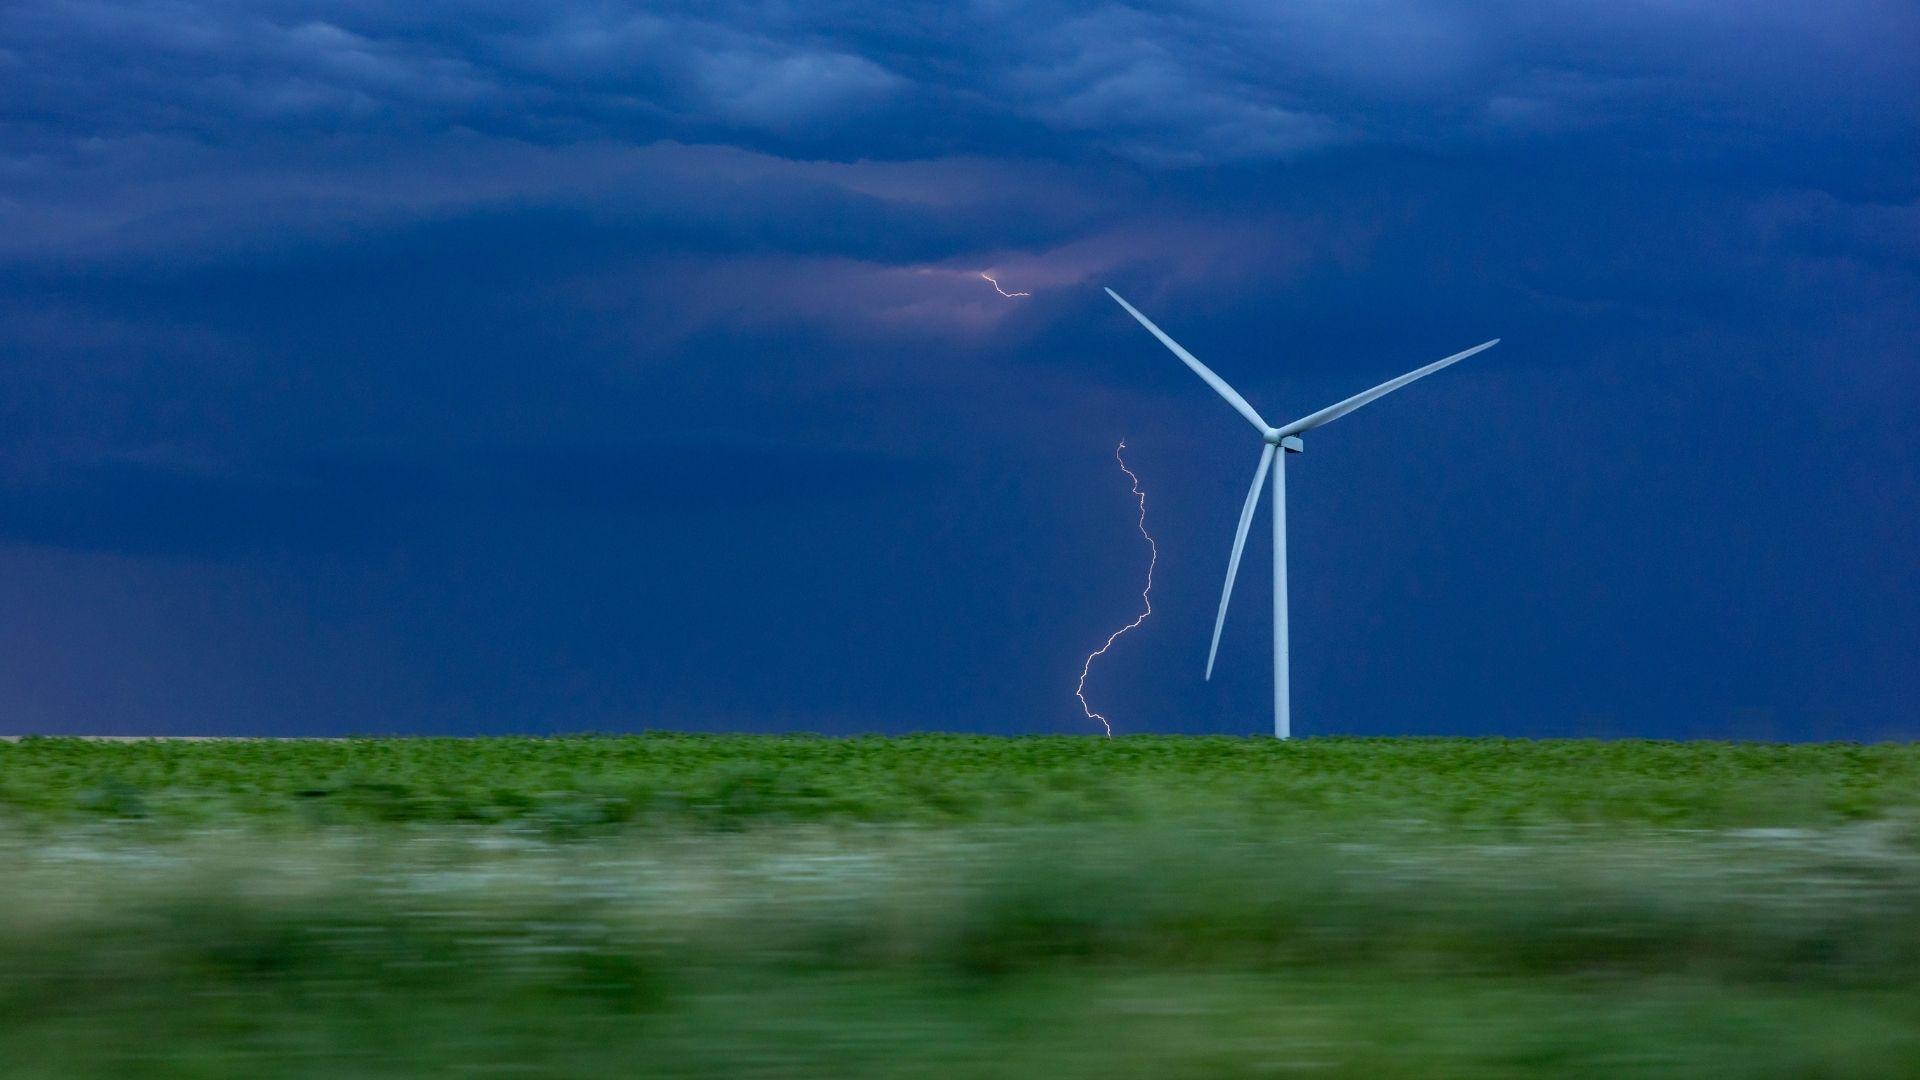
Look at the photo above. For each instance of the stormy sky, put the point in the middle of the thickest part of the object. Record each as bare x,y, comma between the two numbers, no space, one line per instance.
488,367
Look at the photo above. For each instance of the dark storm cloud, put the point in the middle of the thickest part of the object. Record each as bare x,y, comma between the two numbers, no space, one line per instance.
177,509
863,155
354,114
650,340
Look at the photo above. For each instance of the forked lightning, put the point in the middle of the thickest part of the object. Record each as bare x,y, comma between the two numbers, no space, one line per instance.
1146,594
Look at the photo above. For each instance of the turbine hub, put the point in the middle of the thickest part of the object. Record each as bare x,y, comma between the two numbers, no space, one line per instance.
1290,443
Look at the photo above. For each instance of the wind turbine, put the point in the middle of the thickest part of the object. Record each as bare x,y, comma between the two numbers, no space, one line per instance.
1283,438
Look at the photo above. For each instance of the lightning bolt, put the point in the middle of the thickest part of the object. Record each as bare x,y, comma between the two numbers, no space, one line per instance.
1003,292
1146,594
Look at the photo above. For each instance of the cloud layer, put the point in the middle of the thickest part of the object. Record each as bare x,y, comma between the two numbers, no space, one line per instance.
383,344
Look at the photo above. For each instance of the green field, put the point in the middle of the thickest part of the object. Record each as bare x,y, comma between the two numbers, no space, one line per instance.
957,906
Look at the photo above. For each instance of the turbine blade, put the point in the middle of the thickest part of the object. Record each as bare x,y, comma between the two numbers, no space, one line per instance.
1336,411
1219,385
1239,544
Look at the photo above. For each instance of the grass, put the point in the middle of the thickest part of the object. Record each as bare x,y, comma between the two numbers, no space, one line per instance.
700,781
951,906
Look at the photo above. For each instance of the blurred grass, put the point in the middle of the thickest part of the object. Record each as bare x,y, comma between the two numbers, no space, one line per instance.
950,906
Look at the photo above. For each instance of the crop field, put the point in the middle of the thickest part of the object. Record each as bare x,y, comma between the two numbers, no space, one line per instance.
946,906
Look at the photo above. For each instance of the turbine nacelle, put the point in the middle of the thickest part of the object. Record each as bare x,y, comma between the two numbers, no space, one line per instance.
1290,443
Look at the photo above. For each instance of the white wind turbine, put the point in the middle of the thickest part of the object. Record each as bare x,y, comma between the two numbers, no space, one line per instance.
1287,438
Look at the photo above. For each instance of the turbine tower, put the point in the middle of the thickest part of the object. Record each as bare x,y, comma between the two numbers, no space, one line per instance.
1280,441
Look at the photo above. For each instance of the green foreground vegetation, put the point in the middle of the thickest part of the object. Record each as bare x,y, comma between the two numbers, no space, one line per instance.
958,906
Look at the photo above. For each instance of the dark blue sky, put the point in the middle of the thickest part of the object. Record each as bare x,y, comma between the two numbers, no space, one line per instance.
376,366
